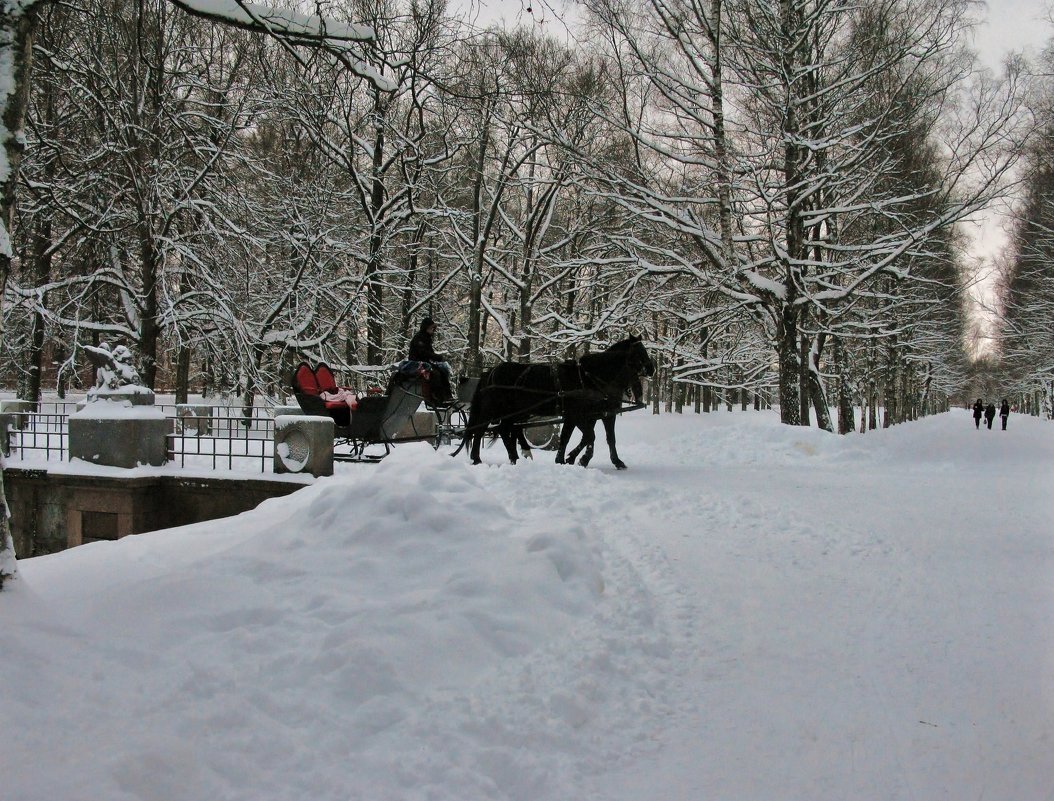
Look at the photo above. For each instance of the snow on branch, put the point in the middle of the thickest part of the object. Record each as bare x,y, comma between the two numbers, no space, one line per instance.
294,28
276,20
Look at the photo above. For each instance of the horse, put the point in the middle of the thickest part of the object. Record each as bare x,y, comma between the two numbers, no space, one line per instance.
584,417
588,429
581,391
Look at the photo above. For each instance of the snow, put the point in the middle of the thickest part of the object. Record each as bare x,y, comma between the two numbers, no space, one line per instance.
108,408
342,38
279,19
751,611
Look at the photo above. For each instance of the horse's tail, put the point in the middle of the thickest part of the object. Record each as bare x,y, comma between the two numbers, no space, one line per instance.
475,411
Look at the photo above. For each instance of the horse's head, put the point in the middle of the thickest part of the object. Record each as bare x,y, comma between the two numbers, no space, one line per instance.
637,357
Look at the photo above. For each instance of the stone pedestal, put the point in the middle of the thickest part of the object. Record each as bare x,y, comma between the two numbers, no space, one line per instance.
303,444
193,419
17,411
7,422
420,425
119,435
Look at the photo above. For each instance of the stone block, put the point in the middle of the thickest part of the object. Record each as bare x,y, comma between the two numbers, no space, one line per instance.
303,444
420,424
19,411
113,434
194,419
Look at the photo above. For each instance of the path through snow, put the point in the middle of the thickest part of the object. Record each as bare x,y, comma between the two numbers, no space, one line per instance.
752,611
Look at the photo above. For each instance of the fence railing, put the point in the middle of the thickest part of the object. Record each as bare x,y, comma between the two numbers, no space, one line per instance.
40,434
222,437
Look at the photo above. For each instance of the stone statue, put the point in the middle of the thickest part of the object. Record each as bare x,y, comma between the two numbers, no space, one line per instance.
116,376
114,368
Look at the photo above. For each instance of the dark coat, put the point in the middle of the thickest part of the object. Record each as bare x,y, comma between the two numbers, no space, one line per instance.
422,350
978,410
989,412
1004,410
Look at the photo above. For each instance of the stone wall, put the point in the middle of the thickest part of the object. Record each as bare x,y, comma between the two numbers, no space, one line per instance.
54,511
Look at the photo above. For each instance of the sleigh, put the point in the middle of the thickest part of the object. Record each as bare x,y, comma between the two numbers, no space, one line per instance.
361,421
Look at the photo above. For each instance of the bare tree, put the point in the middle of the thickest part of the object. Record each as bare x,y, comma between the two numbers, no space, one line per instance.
17,26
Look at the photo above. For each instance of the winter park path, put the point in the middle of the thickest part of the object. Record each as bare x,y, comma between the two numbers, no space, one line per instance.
879,626
868,619
752,612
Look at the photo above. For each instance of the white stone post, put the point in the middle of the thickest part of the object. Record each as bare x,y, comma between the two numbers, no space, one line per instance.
303,444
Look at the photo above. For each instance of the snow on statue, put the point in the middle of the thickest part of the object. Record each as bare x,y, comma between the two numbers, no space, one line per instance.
114,367
116,377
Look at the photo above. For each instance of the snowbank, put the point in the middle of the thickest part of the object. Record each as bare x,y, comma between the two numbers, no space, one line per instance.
750,612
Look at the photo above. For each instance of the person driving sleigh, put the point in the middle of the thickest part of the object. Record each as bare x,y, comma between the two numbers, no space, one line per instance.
422,349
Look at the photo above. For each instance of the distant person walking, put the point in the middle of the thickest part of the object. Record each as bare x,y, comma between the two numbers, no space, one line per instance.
978,410
1004,412
989,414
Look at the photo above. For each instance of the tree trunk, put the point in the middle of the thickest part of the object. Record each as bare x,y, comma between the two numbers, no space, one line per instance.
846,421
149,330
473,348
789,367
183,357
804,379
30,385
872,407
890,390
406,326
17,26
374,288
817,393
351,342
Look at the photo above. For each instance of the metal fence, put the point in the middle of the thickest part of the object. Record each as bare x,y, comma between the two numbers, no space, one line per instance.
220,438
40,435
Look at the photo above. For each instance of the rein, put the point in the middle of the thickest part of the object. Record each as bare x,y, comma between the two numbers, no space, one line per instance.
598,392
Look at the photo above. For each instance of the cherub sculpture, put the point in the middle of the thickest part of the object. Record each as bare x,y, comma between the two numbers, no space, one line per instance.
114,368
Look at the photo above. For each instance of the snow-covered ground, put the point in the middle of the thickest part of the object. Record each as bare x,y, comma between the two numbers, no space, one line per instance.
751,612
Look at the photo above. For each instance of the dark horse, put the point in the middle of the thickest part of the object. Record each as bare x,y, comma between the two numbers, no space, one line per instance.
584,416
581,392
588,429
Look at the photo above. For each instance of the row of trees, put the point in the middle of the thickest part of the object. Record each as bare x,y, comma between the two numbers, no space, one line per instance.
769,191
1023,360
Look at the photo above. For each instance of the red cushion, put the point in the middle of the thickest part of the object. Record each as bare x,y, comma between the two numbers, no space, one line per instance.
326,381
304,380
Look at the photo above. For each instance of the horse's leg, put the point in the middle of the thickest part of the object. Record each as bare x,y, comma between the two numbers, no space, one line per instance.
589,436
609,430
477,439
508,436
581,443
565,437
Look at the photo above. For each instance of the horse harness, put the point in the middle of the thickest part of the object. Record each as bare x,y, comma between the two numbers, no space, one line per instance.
559,393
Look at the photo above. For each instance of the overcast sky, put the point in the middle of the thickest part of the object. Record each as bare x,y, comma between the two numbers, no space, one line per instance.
1011,25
